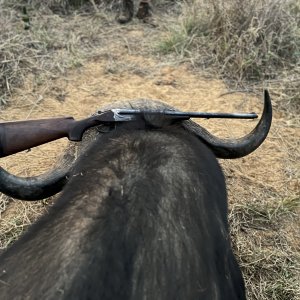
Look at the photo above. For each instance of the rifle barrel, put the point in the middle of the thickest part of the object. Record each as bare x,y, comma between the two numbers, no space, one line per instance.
178,114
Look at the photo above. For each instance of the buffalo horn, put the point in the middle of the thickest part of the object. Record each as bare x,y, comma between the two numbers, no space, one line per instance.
32,188
236,148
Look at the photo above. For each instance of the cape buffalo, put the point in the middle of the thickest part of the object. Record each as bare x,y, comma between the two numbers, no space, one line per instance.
142,215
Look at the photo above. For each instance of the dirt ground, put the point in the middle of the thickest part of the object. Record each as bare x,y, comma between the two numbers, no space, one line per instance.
119,71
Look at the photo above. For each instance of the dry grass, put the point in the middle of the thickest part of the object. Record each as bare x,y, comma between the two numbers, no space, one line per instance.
265,213
53,43
18,218
263,188
242,41
269,260
49,48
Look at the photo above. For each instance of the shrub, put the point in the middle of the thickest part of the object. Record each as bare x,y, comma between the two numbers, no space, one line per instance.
244,39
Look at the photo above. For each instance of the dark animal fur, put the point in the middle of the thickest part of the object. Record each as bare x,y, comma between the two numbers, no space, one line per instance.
144,216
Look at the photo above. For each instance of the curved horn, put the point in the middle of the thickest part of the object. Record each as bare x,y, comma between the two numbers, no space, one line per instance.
227,148
32,188
48,184
38,187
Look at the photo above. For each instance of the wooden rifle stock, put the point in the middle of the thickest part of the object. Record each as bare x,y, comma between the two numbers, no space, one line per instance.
21,135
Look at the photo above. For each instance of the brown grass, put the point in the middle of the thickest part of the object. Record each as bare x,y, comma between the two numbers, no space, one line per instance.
269,259
49,48
242,41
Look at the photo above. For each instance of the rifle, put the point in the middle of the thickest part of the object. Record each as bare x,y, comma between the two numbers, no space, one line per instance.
22,135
